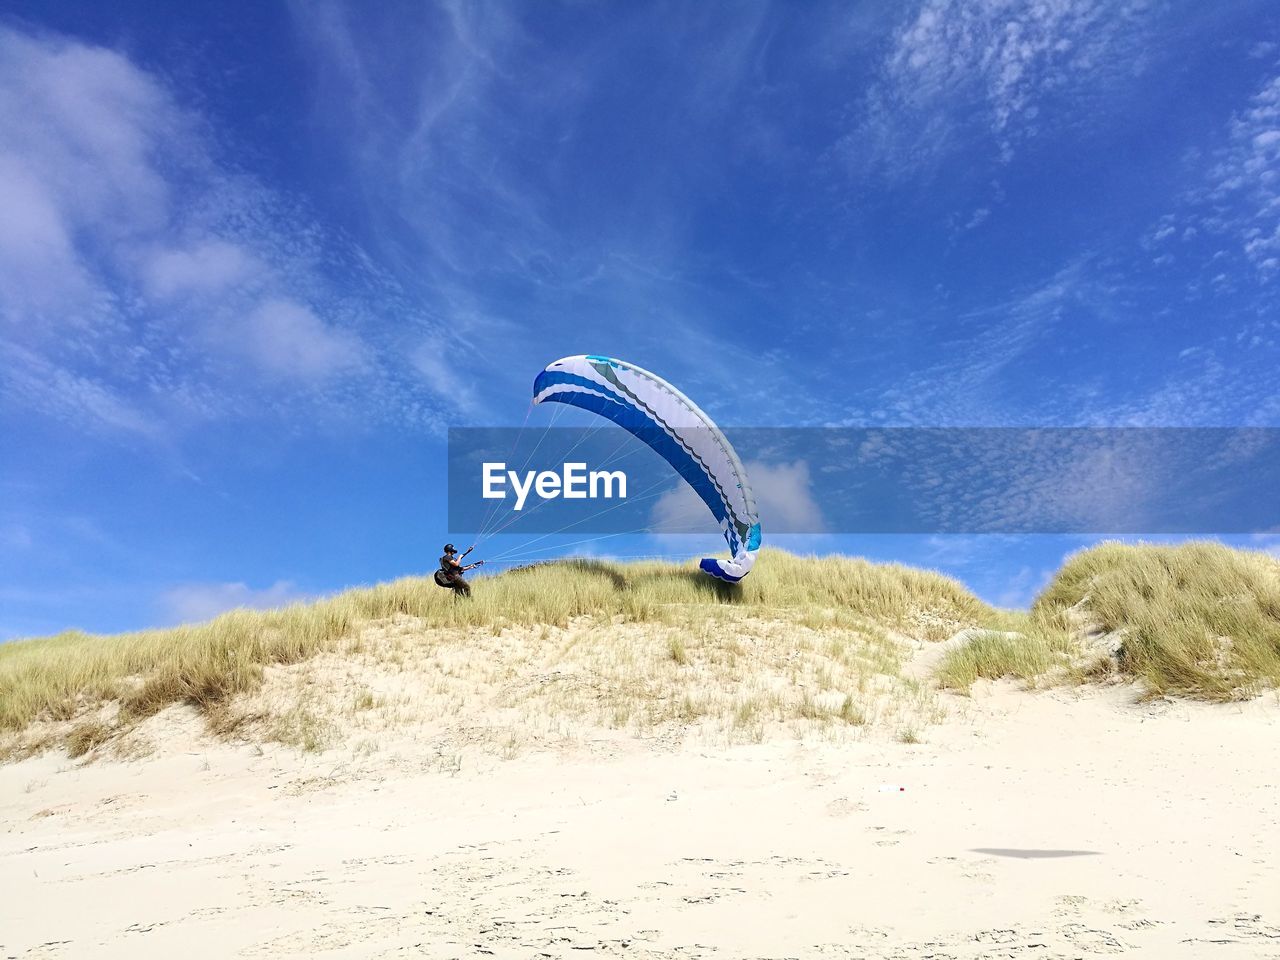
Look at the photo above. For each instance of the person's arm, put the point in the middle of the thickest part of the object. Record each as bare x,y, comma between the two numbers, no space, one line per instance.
466,551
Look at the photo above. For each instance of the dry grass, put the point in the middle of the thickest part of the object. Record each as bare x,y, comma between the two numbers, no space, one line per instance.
739,679
806,646
86,736
1026,650
798,641
1197,619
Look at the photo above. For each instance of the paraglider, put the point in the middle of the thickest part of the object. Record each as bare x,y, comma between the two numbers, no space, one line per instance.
662,417
450,573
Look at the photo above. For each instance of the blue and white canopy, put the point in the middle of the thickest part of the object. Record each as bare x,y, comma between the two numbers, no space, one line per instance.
661,416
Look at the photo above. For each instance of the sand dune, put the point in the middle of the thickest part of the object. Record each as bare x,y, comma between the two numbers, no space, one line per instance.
793,772
1055,824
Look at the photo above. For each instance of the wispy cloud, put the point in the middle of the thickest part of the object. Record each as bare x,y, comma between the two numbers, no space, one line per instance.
424,140
146,284
536,216
983,348
1232,215
1220,246
32,381
1248,171
1203,390
994,71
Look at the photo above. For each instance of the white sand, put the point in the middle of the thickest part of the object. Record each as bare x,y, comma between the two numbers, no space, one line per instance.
1031,825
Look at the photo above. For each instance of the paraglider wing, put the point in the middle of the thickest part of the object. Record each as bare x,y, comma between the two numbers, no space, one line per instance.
671,424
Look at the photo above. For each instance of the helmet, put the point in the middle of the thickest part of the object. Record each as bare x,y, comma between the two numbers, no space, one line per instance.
450,548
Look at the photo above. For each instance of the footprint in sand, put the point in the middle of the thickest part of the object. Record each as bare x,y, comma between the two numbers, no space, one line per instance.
1092,940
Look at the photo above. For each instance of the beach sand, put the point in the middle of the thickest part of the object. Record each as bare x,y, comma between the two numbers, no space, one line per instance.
1068,823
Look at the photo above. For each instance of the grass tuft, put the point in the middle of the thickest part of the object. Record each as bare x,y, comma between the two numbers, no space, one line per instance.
1029,655
851,713
1197,619
86,736
676,650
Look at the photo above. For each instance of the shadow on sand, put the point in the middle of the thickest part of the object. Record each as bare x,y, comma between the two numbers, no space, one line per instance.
1022,853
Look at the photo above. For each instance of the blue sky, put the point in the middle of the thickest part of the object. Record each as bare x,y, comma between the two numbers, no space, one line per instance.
255,260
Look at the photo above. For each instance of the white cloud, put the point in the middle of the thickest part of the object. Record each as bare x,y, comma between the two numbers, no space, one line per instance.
286,338
209,267
784,497
998,68
1233,212
31,381
140,269
82,128
1246,176
39,268
194,602
443,377
1001,480
1203,391
979,217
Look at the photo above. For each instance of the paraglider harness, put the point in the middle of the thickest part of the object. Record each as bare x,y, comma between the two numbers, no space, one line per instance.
450,573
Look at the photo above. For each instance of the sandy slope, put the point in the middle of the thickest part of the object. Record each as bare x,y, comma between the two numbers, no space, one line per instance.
1032,825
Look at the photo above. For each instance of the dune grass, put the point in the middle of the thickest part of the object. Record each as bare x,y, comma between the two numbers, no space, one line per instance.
73,674
1197,619
804,640
1026,650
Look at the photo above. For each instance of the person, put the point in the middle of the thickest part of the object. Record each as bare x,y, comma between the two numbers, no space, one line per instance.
451,570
